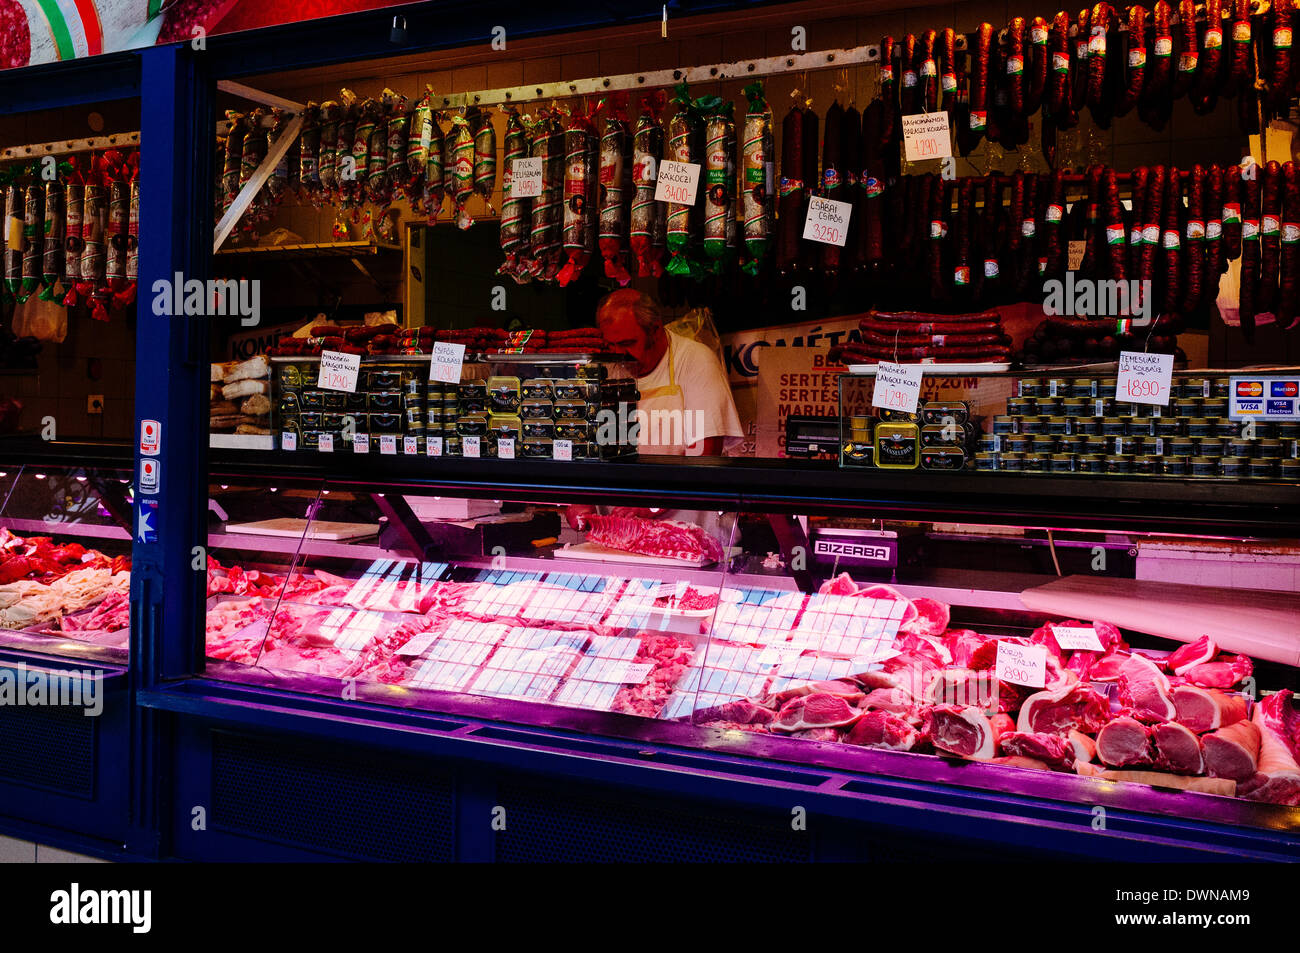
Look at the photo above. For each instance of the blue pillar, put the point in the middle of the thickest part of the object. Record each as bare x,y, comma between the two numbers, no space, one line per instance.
167,593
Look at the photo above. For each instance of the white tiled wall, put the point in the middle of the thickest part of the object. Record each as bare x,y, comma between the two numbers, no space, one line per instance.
14,851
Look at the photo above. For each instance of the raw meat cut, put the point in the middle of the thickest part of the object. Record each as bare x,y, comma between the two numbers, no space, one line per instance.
962,687
671,539
670,658
1193,653
742,711
840,688
110,615
1145,689
1055,751
897,701
1278,778
1232,752
1107,668
1224,672
818,710
1178,749
1124,741
963,644
1055,712
931,618
1085,749
1205,709
880,729
966,732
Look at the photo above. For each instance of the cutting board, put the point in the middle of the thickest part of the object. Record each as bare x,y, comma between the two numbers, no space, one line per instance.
1259,623
598,553
320,529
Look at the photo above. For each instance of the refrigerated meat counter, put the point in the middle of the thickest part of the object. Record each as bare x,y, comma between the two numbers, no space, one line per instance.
1137,671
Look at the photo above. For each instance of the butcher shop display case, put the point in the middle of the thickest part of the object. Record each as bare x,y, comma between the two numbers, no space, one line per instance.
1100,667
65,564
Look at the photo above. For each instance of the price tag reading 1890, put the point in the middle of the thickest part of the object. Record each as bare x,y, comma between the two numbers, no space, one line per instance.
827,221
1144,378
338,371
898,387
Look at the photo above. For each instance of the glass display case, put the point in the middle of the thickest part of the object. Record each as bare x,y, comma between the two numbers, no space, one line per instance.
65,564
1088,666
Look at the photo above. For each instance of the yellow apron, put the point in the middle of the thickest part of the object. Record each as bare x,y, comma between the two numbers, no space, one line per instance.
664,425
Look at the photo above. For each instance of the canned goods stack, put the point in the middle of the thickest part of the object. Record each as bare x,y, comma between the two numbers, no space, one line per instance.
940,436
1076,425
389,401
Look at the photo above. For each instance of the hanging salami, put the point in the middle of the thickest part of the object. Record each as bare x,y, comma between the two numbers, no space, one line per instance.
548,145
615,190
74,203
33,248
719,176
1270,236
1279,76
948,70
1038,66
1288,306
870,202
1156,104
1135,62
485,159
1232,198
1210,73
515,211
327,154
309,181
789,225
832,185
1215,260
888,98
419,138
1240,54
1171,240
979,91
682,145
809,251
435,170
1112,221
1188,49
909,91
851,164
52,244
1053,226
940,202
579,219
927,71
13,247
462,171
1250,253
647,150
755,161
1194,253
1138,189
399,137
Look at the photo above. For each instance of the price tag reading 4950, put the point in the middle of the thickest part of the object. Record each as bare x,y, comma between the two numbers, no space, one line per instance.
827,221
898,387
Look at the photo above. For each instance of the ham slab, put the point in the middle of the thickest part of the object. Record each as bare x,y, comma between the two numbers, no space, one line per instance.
1178,749
818,710
1056,711
1232,752
1206,709
1146,690
671,539
1124,741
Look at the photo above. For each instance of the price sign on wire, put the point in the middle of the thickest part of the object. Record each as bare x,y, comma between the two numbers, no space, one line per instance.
898,387
1144,378
470,447
388,444
433,447
445,364
338,371
1074,255
1022,664
526,178
410,445
678,182
289,440
827,221
361,443
326,443
562,450
926,136
505,448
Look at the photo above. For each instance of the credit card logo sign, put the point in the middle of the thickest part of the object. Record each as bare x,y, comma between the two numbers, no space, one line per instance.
1284,389
1281,408
1250,388
1250,406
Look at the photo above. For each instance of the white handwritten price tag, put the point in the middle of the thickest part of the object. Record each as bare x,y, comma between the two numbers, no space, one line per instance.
1077,637
445,364
387,444
1022,664
433,447
506,448
338,371
361,443
471,446
526,178
898,387
1074,255
926,136
288,440
1144,378
410,445
326,444
562,450
678,182
827,221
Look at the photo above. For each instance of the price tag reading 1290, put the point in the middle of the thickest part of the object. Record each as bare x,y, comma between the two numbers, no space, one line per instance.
338,371
827,221
898,387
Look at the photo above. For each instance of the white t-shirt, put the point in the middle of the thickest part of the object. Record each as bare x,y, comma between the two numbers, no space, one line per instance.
670,422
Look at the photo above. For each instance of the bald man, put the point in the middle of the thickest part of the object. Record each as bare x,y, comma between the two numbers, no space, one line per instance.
687,401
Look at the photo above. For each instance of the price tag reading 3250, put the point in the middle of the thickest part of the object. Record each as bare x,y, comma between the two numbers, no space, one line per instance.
827,221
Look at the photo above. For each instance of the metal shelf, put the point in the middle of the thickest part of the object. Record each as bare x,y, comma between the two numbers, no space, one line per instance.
356,249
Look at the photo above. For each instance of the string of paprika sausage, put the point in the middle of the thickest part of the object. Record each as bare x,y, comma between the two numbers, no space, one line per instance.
961,271
1016,66
1135,61
928,70
1279,83
1092,216
888,93
1113,220
790,191
940,202
832,177
1288,308
1188,52
1138,189
1270,236
1155,105
911,86
1172,239
1195,238
1239,61
1153,210
1215,261
1103,14
1082,73
871,242
1039,63
1206,92
988,283
1027,226
1053,220
979,90
1250,252
948,69
1058,85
